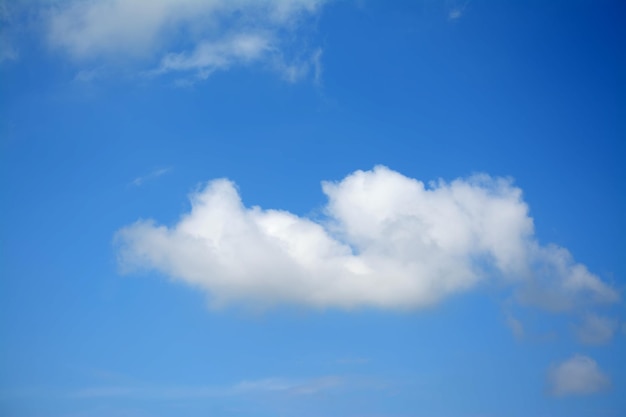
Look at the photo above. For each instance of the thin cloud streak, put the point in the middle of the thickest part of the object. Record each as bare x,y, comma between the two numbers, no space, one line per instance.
151,176
247,387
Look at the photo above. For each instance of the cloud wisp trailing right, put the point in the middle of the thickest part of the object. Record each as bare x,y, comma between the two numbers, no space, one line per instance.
388,241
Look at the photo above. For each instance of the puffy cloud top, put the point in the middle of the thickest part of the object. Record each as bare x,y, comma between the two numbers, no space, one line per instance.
388,241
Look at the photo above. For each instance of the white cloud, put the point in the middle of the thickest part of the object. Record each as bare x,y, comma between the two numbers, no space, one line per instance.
579,375
389,241
197,36
596,330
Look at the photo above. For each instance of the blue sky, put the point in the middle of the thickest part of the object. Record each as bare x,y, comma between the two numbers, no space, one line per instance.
312,208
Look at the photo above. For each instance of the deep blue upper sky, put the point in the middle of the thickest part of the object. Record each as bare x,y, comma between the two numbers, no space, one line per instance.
94,139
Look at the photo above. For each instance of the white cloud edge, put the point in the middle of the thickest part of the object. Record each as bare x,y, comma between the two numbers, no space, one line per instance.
268,257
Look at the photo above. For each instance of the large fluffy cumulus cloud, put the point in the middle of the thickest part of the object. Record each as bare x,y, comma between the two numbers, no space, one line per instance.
191,36
387,241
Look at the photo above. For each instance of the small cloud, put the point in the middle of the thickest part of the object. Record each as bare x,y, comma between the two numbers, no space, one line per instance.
151,176
579,375
596,330
455,12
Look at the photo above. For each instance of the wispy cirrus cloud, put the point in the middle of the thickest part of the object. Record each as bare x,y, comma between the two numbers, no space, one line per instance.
190,38
388,241
288,386
150,176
